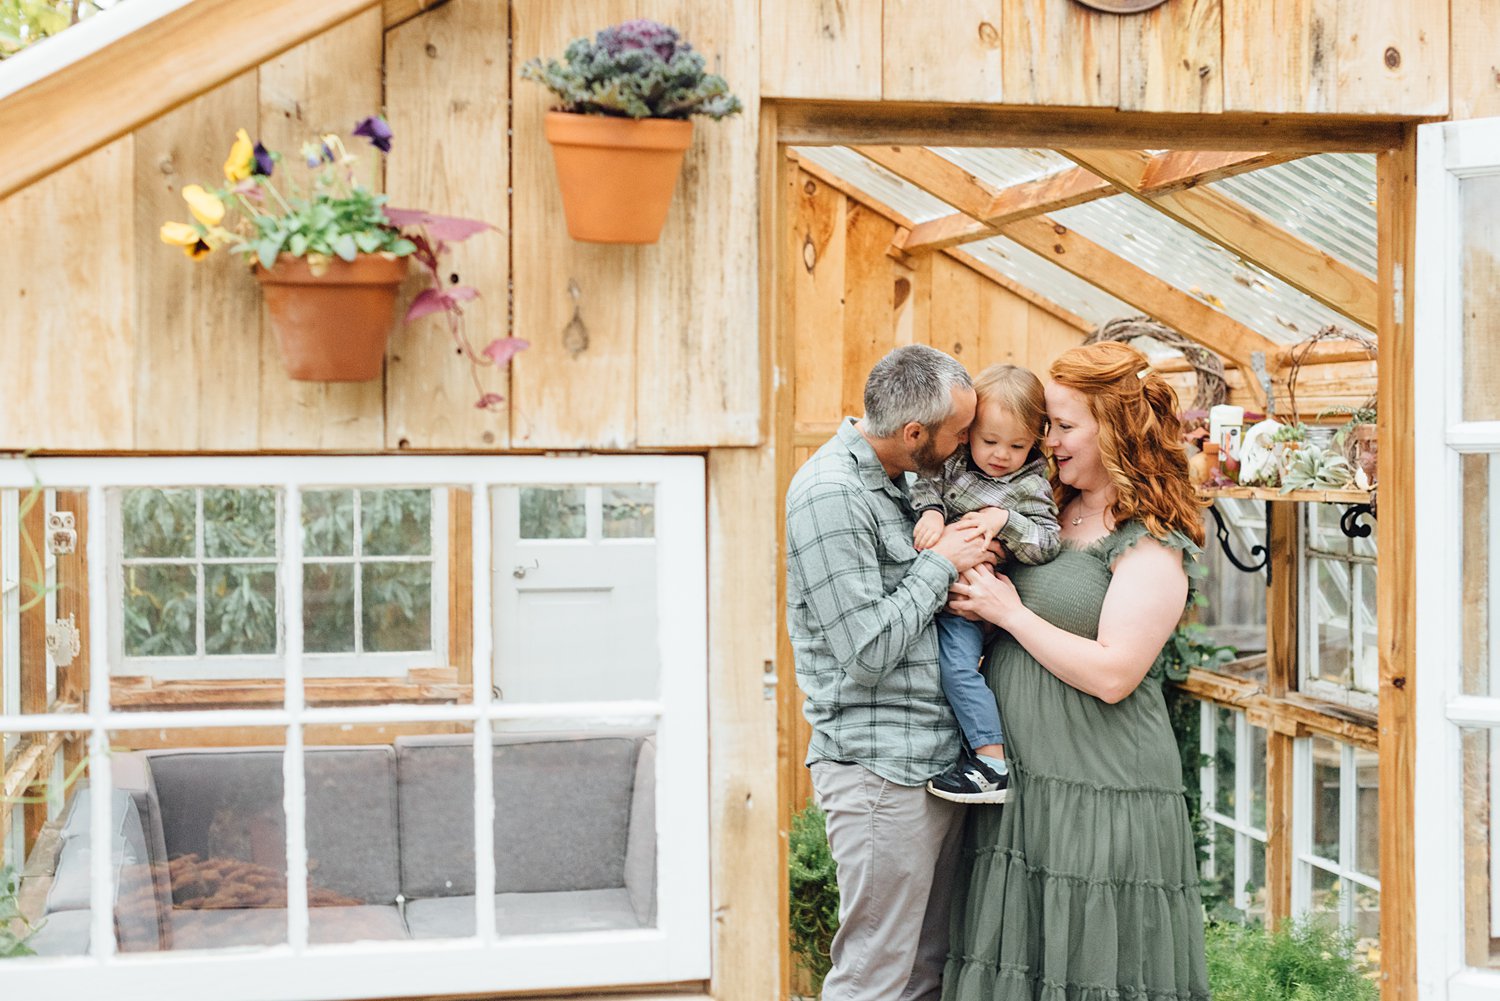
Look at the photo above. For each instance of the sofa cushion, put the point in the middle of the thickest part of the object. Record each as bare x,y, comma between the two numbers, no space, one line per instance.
64,933
562,812
640,847
138,916
226,928
524,913
227,804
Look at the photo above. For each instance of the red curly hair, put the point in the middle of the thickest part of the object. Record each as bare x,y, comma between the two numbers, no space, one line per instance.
1140,437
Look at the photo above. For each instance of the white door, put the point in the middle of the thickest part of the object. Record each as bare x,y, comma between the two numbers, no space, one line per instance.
1457,588
575,592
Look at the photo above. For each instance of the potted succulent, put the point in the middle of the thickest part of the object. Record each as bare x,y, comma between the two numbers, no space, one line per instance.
1358,440
1288,440
331,256
623,125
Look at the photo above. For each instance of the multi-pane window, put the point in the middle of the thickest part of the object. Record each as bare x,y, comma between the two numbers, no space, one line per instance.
201,593
1336,836
1233,789
1337,633
1235,609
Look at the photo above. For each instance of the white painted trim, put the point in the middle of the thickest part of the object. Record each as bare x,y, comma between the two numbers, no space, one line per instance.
51,55
483,668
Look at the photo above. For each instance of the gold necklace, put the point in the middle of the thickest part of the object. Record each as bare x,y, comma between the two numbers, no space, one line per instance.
1078,519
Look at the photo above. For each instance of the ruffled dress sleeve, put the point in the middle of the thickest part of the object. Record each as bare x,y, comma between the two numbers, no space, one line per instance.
1114,545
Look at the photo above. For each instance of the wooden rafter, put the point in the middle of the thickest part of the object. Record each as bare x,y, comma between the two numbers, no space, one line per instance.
107,92
1047,194
1236,227
1178,169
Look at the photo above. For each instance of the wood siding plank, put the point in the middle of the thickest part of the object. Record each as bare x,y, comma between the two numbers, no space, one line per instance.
447,85
1058,52
954,55
1280,55
1474,59
821,48
1393,56
199,342
698,351
869,302
1171,58
325,85
65,278
575,386
819,231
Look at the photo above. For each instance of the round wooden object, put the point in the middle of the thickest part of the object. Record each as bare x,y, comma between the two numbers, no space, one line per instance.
1122,6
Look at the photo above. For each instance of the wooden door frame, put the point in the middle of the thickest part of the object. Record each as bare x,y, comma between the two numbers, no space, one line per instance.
811,123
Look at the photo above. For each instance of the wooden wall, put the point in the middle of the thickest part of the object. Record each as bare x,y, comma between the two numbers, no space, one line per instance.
1330,56
127,345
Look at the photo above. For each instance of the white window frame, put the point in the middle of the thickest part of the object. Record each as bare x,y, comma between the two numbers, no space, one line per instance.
677,949
358,664
1304,804
1309,615
1447,153
1208,793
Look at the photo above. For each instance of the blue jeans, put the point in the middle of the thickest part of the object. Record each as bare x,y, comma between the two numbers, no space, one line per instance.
960,643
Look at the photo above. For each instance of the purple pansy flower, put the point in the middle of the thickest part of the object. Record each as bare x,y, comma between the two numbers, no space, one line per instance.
377,131
264,162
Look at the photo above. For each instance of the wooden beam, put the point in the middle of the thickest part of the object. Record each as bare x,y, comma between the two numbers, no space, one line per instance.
1395,178
1238,228
935,173
900,123
1178,169
1047,194
851,189
108,92
398,12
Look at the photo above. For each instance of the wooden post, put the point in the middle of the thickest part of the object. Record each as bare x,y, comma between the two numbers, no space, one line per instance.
1281,677
1396,175
73,598
33,636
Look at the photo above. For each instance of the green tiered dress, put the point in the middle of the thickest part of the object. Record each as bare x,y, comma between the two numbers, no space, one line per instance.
1084,886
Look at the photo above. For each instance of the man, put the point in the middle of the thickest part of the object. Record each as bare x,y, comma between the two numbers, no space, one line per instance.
860,606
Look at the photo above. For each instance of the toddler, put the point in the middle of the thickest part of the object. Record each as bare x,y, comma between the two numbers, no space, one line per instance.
998,482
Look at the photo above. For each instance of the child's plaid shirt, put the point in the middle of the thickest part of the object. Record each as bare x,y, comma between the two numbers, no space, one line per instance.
1031,534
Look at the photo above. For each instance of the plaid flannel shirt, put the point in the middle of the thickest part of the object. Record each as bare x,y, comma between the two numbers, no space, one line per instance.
1031,534
860,605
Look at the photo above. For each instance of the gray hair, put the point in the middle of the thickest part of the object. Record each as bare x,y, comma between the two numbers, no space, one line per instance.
912,383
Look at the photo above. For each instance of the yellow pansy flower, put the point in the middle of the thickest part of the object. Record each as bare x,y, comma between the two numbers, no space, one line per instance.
179,234
241,157
205,206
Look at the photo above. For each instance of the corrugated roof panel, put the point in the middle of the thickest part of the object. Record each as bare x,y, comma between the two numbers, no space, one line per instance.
873,179
1328,200
1006,167
1182,258
1049,281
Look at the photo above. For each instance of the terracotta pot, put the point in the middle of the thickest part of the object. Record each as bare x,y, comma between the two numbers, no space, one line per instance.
333,327
616,174
1362,439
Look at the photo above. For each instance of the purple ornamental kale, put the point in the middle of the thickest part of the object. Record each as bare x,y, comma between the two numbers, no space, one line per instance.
642,34
377,131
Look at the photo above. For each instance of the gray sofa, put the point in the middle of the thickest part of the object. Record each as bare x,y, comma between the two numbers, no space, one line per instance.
198,843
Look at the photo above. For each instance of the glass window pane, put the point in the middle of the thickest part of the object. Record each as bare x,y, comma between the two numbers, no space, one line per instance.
1325,897
1366,922
397,606
1331,608
44,878
396,522
1255,889
328,607
1326,757
1481,838
1219,878
552,512
240,608
1477,568
161,610
630,512
1367,665
238,523
157,523
1257,766
1224,760
1480,218
328,522
1367,812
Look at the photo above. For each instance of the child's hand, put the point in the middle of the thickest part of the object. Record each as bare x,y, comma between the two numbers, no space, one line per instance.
989,519
929,529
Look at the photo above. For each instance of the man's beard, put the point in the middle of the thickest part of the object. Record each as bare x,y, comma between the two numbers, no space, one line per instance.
927,460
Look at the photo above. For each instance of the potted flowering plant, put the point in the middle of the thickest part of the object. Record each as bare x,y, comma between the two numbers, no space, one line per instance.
624,123
331,256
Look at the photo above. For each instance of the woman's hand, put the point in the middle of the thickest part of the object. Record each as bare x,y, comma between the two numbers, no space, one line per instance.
992,598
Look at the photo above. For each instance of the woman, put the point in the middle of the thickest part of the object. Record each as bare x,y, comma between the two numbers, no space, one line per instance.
1084,887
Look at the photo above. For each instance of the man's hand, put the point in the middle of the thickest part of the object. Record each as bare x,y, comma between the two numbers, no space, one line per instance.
929,529
964,546
990,519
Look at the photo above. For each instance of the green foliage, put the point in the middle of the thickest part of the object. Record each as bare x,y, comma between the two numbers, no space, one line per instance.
25,22
1316,469
1300,961
332,220
14,930
638,69
1290,432
814,898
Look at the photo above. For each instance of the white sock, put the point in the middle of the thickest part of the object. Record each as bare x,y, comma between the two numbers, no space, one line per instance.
998,764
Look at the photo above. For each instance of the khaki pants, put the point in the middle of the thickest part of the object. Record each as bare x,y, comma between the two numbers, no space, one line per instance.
896,848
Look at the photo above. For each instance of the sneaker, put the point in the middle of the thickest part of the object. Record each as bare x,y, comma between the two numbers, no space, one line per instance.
970,780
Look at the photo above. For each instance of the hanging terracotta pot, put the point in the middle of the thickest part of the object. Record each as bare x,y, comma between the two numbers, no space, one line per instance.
617,174
333,327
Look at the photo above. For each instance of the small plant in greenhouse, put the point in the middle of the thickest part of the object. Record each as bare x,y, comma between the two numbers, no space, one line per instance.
638,69
1299,961
1316,469
321,211
1290,432
814,892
